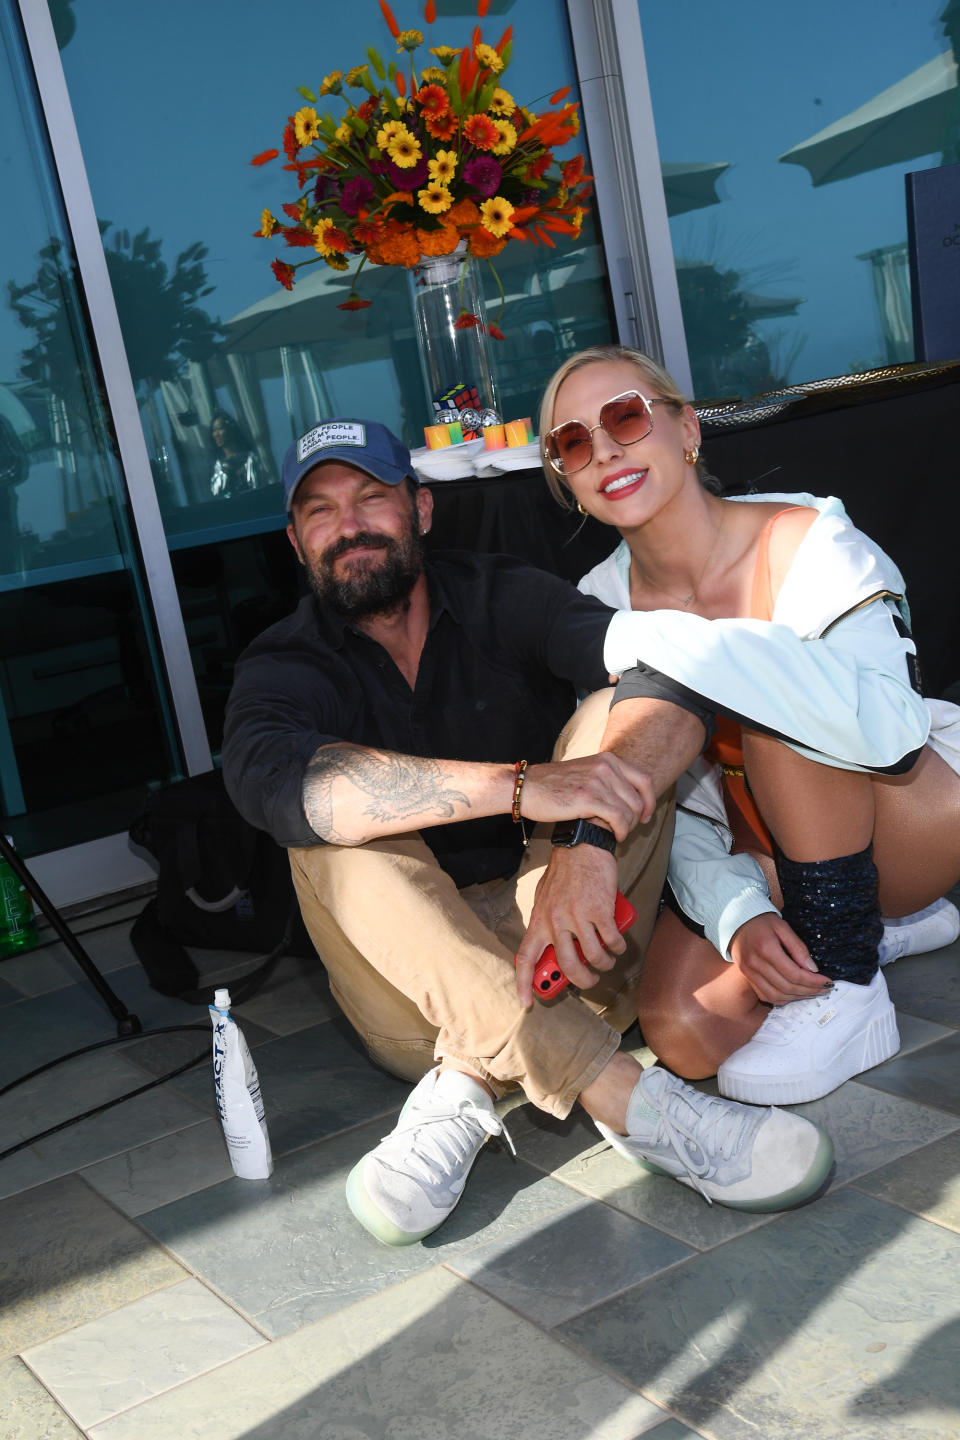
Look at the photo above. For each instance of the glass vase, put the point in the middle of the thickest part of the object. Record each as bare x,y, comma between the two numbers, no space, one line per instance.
444,289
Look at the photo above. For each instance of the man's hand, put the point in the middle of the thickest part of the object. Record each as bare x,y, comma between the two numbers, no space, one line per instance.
602,788
774,961
575,901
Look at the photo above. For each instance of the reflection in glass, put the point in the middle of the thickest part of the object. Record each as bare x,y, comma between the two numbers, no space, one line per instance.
83,724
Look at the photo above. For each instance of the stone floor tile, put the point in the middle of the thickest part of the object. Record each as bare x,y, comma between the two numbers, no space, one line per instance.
286,1251
44,1028
845,1311
296,995
119,1360
573,1151
29,1411
8,992
870,1127
930,1076
68,1257
314,1083
573,1261
431,1359
167,1169
674,1430
928,985
927,1182
915,1032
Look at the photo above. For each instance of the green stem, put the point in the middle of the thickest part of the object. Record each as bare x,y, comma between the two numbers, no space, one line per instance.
503,298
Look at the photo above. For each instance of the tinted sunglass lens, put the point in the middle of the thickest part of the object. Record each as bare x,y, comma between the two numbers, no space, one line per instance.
626,419
570,447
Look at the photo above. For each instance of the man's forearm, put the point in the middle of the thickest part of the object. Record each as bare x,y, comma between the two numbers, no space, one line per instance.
660,737
352,794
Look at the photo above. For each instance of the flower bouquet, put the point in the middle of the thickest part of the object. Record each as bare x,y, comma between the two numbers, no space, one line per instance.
439,161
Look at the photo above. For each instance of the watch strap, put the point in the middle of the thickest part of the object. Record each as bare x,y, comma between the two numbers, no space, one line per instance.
586,833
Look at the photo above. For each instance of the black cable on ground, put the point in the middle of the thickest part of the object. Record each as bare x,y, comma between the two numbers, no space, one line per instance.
108,1104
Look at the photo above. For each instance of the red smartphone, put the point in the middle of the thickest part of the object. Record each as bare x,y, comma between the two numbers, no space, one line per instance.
549,979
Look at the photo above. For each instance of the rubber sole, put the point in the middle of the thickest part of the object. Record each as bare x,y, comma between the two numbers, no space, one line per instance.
805,1190
880,1041
363,1209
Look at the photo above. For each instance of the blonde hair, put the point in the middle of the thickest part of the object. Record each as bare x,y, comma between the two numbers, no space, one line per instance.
660,380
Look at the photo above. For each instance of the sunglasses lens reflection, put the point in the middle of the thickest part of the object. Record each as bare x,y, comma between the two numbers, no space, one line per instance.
626,419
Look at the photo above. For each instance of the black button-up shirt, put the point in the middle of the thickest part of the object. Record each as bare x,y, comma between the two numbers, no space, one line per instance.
507,648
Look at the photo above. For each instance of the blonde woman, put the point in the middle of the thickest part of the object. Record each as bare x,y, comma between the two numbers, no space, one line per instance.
823,800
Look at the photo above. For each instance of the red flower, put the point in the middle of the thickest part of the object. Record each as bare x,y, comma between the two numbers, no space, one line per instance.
572,171
432,100
441,127
292,210
354,303
367,108
465,321
291,147
392,25
559,95
429,12
495,332
283,272
540,166
297,235
482,7
480,130
264,156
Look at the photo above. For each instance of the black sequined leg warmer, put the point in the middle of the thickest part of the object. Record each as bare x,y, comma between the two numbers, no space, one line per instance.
833,907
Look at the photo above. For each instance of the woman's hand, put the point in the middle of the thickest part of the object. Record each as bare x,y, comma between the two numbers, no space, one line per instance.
774,961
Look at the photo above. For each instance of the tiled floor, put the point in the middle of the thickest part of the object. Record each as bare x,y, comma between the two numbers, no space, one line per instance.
149,1295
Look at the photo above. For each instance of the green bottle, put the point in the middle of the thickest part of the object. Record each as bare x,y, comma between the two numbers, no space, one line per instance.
18,929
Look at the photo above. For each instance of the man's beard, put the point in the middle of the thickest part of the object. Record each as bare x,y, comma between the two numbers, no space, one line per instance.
366,590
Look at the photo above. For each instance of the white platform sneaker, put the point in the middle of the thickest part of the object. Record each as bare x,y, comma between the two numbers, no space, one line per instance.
806,1048
928,929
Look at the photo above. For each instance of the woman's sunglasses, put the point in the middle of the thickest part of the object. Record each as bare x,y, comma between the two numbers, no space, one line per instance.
626,419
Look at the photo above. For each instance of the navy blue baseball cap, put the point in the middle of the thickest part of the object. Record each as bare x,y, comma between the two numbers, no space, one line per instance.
365,444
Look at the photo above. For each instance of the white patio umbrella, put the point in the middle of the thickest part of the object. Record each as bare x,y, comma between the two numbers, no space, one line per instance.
691,185
907,120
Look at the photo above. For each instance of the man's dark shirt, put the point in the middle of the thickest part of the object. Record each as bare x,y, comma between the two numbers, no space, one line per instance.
507,648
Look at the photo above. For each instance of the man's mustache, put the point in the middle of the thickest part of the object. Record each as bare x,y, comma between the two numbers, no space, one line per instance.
365,540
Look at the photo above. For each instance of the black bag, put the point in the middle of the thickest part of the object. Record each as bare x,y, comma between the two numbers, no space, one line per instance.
223,885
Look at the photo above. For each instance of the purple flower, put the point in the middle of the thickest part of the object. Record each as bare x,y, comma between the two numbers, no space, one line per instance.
326,188
484,174
412,178
356,195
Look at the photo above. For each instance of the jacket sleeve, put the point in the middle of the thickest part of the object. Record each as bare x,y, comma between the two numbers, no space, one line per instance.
845,699
718,891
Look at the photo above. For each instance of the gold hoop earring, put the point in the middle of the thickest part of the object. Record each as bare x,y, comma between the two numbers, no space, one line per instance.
581,509
692,456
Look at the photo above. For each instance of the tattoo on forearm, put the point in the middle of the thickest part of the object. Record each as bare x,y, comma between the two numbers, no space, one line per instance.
399,786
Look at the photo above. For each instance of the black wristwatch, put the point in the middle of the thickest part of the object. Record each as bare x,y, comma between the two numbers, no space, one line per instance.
582,832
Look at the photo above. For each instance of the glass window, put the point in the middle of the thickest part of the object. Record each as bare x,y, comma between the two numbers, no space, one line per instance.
790,243
229,367
83,722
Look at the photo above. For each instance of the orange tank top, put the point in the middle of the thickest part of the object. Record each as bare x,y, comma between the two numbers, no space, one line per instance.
726,747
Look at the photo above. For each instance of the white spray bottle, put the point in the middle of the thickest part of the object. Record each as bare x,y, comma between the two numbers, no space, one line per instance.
239,1101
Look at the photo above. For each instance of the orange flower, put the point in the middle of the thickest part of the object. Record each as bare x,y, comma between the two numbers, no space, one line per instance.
396,245
432,100
572,171
353,302
387,13
441,127
292,210
283,272
495,332
559,95
264,156
462,214
429,12
401,83
484,245
480,131
291,146
466,321
297,235
482,7
540,166
438,242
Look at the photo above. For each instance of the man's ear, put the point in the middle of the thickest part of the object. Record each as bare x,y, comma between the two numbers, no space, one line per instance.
424,503
292,537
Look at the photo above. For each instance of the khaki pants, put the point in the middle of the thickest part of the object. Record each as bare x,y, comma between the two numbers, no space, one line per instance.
423,970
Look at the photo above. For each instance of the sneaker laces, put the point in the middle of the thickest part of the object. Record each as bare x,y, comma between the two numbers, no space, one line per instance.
714,1127
437,1140
783,1020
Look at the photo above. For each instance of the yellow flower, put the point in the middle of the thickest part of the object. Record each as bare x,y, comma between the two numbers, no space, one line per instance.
502,104
386,134
357,75
306,126
332,83
508,138
409,39
433,75
496,215
576,219
527,115
404,148
574,123
343,134
435,198
319,237
443,53
337,262
268,223
489,58
443,166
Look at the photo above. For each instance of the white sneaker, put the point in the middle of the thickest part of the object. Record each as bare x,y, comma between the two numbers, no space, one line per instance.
743,1157
414,1179
806,1048
928,929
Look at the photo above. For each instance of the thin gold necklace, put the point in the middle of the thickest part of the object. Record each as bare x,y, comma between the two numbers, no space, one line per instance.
687,601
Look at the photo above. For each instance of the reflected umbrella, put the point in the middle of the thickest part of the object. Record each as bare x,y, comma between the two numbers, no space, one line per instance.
691,186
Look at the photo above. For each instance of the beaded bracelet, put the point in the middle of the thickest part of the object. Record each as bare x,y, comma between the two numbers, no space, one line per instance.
519,775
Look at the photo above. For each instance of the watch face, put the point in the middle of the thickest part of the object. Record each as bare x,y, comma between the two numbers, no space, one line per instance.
565,832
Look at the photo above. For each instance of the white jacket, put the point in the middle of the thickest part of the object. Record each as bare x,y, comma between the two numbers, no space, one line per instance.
828,674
